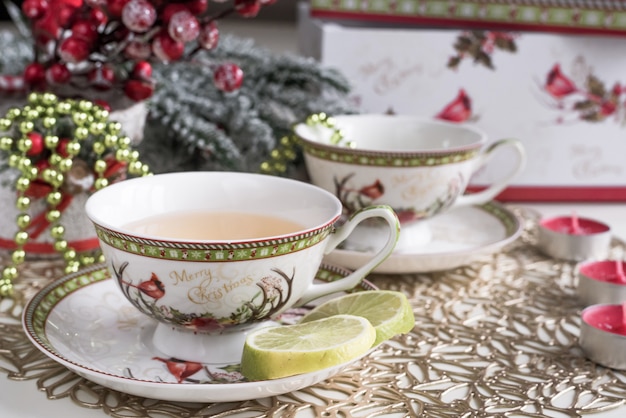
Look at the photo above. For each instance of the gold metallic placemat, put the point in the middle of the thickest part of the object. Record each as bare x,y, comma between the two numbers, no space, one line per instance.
495,338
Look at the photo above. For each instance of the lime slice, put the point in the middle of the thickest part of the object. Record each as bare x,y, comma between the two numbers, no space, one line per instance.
271,353
390,312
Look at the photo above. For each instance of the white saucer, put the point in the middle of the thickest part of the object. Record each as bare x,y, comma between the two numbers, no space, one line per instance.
84,322
458,238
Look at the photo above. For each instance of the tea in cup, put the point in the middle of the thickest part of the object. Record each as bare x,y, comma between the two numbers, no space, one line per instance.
421,168
212,255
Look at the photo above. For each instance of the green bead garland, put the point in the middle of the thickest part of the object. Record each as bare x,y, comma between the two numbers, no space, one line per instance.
285,153
90,122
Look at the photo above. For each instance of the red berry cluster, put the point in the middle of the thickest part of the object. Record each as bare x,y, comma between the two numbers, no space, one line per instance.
110,44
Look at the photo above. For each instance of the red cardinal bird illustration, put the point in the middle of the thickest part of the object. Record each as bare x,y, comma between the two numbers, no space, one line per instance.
558,85
180,369
373,191
153,288
459,110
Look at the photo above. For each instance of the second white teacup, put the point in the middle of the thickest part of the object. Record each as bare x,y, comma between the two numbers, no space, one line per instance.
419,167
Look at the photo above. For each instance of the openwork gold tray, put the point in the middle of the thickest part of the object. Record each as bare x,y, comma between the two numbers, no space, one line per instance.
496,338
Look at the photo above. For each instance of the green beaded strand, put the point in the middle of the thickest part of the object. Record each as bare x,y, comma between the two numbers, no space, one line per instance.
90,121
286,150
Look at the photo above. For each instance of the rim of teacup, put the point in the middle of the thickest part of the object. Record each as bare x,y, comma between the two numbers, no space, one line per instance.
114,231
320,143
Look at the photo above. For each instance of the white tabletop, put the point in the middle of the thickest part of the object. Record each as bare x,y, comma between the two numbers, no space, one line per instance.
22,400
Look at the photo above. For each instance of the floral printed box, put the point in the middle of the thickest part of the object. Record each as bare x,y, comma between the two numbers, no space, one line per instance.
563,95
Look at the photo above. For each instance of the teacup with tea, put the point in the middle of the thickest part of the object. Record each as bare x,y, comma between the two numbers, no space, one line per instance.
212,255
419,167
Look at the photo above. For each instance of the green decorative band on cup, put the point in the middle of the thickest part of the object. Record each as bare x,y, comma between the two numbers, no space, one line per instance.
211,252
386,159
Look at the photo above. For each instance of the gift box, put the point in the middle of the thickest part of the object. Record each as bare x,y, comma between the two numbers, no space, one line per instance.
562,94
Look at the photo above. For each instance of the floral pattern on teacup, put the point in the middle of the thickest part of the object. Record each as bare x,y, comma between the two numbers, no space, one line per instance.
274,290
355,198
193,372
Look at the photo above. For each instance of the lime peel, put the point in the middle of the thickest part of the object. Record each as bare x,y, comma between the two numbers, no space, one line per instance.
390,312
272,353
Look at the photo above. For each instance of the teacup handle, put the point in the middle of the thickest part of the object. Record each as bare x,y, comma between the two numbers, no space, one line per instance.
492,191
352,280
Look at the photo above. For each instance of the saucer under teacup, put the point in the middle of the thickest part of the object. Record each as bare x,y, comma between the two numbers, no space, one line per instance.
459,237
372,238
83,322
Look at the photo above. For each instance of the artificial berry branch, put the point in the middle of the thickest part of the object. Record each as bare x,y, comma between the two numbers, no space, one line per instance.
110,45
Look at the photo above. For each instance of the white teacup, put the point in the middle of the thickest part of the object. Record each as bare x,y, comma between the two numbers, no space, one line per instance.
419,167
211,255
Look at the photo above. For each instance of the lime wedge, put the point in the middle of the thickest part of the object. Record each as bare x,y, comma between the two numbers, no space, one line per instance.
271,353
390,312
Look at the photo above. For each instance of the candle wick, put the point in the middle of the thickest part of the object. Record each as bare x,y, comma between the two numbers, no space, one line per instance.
575,224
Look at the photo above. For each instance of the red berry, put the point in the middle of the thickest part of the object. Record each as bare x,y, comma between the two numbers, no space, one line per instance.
183,26
102,77
114,7
138,90
64,14
209,36
74,49
58,73
42,165
62,147
86,30
97,17
197,7
37,144
142,71
228,77
138,15
46,29
170,10
72,3
34,74
138,50
34,9
167,49
247,8
103,104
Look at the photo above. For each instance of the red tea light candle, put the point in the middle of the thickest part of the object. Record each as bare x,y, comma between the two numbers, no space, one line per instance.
573,238
603,335
601,282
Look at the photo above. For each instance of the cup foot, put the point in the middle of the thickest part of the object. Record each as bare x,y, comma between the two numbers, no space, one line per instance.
372,238
207,348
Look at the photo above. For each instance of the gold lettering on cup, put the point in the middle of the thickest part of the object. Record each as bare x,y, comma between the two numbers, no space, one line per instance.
185,277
